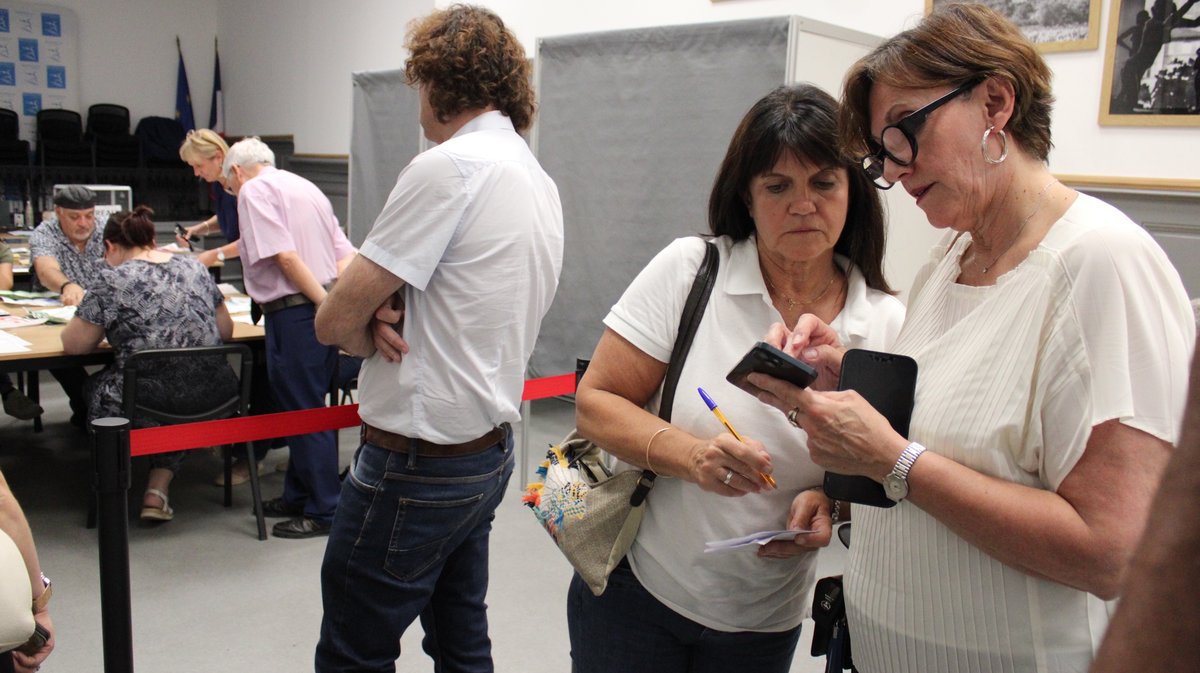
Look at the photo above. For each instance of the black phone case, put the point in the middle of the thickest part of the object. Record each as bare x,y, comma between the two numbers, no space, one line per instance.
889,383
764,358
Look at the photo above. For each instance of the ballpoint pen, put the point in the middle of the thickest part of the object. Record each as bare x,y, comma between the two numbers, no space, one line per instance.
712,406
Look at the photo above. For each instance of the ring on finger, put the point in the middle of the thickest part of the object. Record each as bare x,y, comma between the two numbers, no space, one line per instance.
728,477
791,416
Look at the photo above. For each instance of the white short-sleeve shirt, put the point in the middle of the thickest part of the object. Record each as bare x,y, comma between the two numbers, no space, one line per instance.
1094,325
474,228
730,591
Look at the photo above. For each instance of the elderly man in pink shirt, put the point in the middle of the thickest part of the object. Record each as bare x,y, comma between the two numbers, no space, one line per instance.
292,249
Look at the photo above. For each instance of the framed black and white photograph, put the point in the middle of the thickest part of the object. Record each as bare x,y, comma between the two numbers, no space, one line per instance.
1152,64
1053,25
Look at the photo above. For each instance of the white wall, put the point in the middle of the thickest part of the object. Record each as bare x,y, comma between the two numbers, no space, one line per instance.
127,53
286,64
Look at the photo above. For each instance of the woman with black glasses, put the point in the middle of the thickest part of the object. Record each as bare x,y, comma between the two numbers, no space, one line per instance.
1052,337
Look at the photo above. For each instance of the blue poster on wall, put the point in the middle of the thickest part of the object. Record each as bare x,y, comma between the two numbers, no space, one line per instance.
39,66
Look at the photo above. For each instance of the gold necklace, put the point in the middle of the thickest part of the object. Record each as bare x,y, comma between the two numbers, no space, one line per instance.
792,303
1036,208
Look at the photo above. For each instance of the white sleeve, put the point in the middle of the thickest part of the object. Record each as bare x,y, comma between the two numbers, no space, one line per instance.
647,315
1129,312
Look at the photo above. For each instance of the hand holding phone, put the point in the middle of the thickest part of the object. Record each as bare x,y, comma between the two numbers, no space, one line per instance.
764,358
888,382
182,233
36,642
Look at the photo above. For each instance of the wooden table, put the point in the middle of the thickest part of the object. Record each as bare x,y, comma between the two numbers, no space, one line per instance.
46,351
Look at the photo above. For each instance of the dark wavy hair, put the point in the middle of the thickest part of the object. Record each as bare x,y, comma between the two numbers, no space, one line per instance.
800,119
467,59
131,229
955,44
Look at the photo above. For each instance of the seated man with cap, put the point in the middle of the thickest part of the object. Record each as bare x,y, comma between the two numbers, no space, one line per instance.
67,255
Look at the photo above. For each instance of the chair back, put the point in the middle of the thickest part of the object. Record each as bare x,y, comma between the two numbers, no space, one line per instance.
108,119
10,124
236,405
161,138
53,124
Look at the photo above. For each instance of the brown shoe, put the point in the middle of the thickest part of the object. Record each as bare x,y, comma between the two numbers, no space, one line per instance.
240,474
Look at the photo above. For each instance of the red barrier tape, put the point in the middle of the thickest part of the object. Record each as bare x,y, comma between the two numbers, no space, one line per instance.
148,441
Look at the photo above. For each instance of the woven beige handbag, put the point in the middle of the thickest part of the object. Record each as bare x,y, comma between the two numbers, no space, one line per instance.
592,514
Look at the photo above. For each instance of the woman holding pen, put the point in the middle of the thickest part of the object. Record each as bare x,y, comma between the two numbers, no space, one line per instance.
798,231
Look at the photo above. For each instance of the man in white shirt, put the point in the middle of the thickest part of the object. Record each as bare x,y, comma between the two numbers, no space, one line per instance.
445,299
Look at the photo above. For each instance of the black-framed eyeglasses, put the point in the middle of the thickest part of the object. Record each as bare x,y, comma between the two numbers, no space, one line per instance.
898,141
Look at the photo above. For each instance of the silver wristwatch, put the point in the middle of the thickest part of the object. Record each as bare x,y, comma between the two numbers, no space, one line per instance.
896,483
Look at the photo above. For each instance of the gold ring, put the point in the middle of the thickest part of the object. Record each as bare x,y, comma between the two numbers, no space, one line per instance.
728,477
791,416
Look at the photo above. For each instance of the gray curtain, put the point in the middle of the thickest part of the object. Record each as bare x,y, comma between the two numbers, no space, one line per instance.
385,135
632,126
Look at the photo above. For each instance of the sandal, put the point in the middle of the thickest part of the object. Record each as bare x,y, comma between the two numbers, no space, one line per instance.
164,513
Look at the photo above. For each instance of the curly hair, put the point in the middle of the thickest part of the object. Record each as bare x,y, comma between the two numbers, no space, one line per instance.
954,44
467,59
800,119
131,229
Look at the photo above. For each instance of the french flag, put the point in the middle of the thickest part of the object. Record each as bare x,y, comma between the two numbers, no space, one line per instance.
216,113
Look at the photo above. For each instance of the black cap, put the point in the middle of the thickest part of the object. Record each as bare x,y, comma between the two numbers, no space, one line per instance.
75,197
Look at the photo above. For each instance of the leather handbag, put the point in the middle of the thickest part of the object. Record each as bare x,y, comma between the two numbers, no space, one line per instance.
592,514
16,597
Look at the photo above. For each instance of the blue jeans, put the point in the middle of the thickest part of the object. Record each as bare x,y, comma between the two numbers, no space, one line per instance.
410,538
626,629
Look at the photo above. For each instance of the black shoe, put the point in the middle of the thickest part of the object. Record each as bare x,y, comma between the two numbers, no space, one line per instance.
276,508
300,528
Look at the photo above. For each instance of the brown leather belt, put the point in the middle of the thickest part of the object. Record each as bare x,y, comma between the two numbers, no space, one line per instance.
286,301
401,444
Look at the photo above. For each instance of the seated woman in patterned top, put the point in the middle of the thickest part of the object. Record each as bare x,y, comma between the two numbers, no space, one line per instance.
152,299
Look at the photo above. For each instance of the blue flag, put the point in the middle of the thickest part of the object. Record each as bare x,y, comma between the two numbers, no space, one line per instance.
216,113
183,96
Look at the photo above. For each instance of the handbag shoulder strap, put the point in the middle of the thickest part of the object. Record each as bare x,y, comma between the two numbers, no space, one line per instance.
689,322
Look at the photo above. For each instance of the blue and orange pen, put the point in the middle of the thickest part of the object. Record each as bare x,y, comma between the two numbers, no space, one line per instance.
712,406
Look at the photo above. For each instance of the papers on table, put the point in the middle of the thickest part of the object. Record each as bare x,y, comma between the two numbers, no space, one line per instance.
13,344
23,298
243,318
760,538
11,321
228,290
55,316
238,304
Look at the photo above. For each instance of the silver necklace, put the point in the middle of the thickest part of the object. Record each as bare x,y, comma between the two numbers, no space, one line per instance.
1037,206
792,303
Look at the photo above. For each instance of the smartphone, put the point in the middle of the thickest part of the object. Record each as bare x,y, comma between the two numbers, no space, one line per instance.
36,642
764,358
889,383
182,232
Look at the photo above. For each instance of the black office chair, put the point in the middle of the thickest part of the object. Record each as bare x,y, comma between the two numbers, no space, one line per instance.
108,129
161,138
60,139
13,150
238,405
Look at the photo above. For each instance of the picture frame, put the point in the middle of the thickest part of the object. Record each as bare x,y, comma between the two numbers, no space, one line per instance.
1052,25
1152,64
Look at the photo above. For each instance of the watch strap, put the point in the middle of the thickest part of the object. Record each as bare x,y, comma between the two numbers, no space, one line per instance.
905,462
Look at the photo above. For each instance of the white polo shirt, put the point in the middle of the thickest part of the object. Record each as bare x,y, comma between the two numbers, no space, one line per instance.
474,227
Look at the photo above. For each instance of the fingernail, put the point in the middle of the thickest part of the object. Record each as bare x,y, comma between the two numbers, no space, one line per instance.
810,354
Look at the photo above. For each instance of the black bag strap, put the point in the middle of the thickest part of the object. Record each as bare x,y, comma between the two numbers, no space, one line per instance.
689,322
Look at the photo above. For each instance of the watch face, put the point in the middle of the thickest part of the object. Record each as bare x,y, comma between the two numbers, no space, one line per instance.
896,488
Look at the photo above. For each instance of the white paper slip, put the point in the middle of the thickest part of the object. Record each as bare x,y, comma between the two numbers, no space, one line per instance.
243,318
237,304
13,344
227,289
760,538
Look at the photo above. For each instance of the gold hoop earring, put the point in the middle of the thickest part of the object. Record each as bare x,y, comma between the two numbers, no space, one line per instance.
983,146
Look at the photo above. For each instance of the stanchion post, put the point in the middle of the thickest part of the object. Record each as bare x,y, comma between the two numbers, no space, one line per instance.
110,458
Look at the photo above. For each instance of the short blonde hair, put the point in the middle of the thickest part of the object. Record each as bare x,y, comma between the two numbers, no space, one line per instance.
202,144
